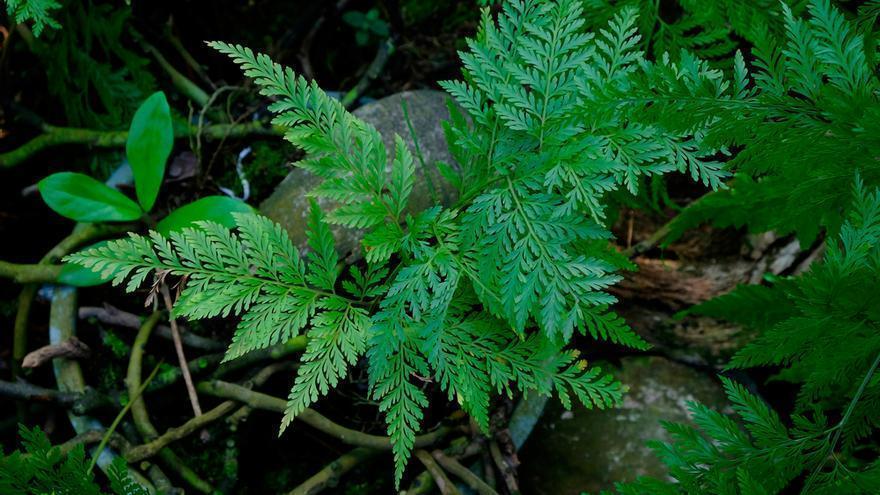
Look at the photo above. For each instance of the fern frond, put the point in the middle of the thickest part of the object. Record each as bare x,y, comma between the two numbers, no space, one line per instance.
347,153
337,339
38,11
257,274
41,468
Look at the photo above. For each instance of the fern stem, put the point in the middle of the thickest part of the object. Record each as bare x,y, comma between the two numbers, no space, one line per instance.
839,427
429,180
178,348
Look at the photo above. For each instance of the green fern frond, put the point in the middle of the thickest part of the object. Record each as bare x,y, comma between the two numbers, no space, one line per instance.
337,339
824,319
38,11
347,153
812,114
483,295
257,274
42,468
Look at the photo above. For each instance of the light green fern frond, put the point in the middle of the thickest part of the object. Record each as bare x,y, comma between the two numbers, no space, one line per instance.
38,11
256,273
347,153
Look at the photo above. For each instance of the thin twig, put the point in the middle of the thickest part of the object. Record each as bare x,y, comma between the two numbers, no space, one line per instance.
649,243
114,316
508,473
80,403
386,48
183,84
153,447
141,417
178,347
72,348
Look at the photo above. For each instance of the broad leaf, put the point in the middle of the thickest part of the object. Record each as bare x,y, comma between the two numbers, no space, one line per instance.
82,198
217,209
150,139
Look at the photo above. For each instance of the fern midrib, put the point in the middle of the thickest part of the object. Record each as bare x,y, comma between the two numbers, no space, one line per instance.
547,80
186,270
528,222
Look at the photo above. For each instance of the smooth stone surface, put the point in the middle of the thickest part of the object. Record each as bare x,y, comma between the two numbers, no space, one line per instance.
289,205
571,452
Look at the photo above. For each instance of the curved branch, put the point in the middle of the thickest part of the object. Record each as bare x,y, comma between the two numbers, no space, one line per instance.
453,466
444,484
153,447
29,273
329,476
311,417
56,136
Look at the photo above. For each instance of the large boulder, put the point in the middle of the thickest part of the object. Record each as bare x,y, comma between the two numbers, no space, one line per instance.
289,205
571,452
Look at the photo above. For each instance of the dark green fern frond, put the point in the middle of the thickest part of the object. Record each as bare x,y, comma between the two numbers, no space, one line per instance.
820,330
42,468
810,113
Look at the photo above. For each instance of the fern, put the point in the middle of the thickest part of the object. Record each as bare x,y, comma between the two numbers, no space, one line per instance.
797,127
38,11
91,70
42,468
708,30
481,296
823,320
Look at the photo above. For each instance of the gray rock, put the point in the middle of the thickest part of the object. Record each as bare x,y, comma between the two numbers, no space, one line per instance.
289,205
697,340
588,450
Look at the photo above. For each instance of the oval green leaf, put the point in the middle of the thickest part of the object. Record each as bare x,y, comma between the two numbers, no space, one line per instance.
80,276
213,208
150,139
82,198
